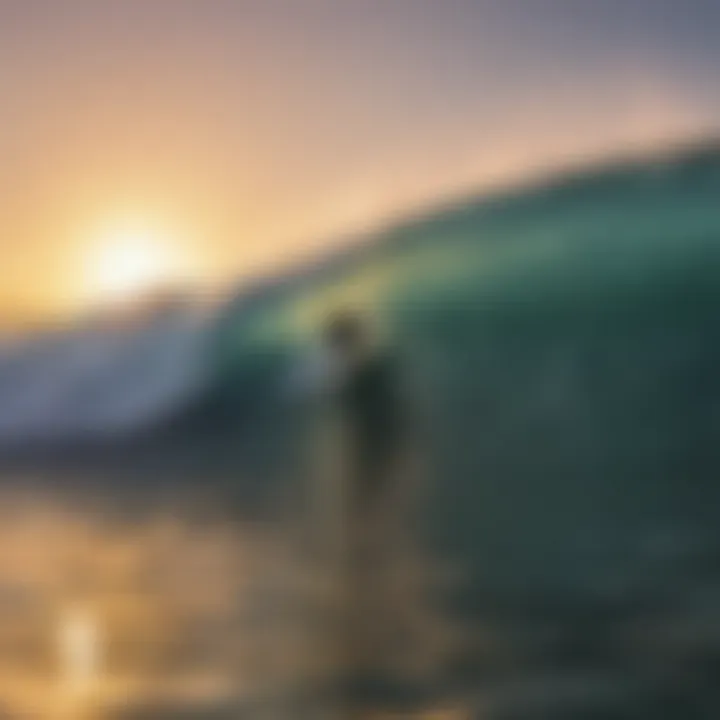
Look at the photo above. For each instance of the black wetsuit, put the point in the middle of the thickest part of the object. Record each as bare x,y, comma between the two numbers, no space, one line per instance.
372,411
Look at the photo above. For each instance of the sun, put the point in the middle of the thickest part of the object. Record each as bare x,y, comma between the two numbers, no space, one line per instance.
128,262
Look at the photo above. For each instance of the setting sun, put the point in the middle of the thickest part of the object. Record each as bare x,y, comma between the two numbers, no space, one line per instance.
129,262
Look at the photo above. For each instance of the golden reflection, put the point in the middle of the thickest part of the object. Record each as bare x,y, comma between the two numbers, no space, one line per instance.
112,613
104,613
79,643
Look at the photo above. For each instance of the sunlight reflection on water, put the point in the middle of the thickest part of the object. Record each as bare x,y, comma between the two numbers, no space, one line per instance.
98,610
124,614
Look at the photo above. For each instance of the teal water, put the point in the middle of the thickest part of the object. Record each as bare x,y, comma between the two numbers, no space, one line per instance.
566,340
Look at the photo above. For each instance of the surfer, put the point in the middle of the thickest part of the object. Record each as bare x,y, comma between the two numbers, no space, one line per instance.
371,417
369,409
361,386
358,514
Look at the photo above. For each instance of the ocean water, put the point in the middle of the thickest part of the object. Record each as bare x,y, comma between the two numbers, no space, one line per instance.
563,344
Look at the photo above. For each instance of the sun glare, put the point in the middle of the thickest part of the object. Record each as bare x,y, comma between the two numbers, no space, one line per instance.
130,262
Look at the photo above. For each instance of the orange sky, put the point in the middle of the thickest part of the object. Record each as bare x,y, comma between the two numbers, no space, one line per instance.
252,132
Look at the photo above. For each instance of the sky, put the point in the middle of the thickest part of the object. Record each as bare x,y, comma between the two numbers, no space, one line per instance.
250,133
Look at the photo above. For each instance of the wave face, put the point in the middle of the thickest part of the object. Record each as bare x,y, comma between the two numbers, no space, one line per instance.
567,344
618,238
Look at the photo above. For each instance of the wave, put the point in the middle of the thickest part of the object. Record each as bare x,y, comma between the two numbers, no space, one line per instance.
572,232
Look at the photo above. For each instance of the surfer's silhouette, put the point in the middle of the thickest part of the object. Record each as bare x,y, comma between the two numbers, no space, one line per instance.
370,408
362,384
360,498
370,403
364,525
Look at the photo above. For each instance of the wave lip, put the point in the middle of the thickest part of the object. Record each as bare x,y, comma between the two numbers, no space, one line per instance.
98,383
